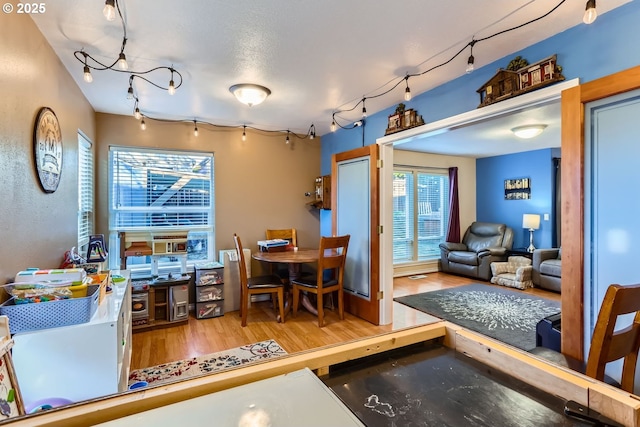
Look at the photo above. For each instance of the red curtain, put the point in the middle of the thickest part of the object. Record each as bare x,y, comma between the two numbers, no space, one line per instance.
453,227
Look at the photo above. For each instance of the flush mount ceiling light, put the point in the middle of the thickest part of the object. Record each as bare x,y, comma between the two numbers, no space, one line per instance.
250,94
528,131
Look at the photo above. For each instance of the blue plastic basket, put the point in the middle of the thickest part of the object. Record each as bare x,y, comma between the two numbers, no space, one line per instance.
51,314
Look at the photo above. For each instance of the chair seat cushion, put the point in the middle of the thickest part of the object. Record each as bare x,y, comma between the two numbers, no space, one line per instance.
269,281
463,257
312,282
551,267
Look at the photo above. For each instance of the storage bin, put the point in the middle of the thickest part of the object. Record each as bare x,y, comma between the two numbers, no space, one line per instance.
51,314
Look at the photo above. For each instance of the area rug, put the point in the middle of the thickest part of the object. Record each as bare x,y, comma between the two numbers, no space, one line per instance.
507,315
214,362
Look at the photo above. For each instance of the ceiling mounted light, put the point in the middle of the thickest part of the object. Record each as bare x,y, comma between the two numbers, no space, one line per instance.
109,10
528,131
250,94
590,12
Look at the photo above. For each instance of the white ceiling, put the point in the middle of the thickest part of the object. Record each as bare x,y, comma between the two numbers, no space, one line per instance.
315,56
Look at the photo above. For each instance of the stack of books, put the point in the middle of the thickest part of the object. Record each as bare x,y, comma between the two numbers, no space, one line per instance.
273,245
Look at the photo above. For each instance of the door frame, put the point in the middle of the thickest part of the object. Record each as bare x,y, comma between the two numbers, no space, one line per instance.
573,102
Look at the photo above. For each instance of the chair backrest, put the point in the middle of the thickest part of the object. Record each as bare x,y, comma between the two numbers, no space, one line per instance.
607,344
289,234
481,235
242,267
332,256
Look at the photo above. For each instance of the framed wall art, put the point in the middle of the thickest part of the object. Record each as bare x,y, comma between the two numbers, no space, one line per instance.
517,189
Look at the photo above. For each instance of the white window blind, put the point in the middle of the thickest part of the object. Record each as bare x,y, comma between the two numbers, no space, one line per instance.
85,192
158,190
420,214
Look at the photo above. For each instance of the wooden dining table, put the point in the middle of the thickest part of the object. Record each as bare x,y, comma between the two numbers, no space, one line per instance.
294,260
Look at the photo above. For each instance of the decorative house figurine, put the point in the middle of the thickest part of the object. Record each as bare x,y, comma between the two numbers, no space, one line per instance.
403,119
520,77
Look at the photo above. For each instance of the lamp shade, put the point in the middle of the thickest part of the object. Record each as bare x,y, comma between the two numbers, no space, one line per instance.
531,221
250,94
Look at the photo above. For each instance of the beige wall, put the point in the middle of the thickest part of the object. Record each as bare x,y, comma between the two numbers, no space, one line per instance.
466,177
35,228
259,183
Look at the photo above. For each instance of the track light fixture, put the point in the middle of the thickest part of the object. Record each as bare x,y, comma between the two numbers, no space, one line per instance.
364,109
407,91
109,10
195,128
287,141
333,125
312,131
137,114
590,12
244,132
471,59
143,125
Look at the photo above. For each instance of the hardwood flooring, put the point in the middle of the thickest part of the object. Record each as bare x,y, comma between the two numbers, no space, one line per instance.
200,337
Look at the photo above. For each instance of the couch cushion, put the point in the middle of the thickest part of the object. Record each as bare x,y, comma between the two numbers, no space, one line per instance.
463,257
551,267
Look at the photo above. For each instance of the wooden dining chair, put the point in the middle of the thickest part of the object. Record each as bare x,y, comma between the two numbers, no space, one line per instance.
607,344
332,256
289,234
268,284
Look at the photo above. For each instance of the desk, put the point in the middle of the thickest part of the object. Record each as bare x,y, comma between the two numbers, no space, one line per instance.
293,259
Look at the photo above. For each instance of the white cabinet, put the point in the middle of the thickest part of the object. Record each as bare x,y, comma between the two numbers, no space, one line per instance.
82,361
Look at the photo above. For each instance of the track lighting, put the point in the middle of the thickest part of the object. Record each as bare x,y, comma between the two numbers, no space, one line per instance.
137,114
471,59
407,91
87,75
172,87
312,131
109,10
287,141
195,128
143,125
590,12
244,132
333,125
130,92
122,62
364,109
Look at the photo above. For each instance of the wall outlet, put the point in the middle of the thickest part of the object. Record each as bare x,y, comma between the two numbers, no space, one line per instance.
546,217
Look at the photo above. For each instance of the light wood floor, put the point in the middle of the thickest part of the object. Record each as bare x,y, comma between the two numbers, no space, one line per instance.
200,337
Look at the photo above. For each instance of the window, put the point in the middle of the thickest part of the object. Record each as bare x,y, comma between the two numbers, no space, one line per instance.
156,191
85,192
420,208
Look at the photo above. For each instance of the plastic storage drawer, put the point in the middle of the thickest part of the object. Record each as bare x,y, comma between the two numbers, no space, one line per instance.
205,310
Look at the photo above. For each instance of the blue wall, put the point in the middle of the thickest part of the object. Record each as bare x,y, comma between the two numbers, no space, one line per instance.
584,51
491,205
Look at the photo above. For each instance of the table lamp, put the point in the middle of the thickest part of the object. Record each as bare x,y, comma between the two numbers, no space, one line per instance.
532,222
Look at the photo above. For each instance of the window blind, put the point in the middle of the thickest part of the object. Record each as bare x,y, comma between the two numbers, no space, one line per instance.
85,192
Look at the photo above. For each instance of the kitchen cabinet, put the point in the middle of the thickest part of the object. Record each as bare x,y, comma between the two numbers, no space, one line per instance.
78,362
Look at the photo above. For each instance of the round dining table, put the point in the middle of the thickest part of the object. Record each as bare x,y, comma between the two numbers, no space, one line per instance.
293,258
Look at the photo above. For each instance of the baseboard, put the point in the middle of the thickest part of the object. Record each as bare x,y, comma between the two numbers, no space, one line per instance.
410,269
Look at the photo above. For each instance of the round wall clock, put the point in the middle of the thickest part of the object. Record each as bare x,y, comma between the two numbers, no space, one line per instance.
47,143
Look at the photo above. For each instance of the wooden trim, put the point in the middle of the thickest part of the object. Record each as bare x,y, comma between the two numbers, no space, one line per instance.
572,227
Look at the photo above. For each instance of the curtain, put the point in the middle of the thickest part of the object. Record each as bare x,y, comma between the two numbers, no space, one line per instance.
555,236
453,226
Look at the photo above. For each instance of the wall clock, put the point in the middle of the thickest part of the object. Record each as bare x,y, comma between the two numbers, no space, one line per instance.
47,143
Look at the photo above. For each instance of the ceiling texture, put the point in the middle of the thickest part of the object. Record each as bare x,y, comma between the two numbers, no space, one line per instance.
316,57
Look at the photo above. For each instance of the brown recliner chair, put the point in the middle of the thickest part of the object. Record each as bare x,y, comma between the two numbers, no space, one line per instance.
482,244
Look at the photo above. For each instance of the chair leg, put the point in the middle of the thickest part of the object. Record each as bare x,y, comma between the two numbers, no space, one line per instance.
320,310
245,309
281,303
341,304
296,299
